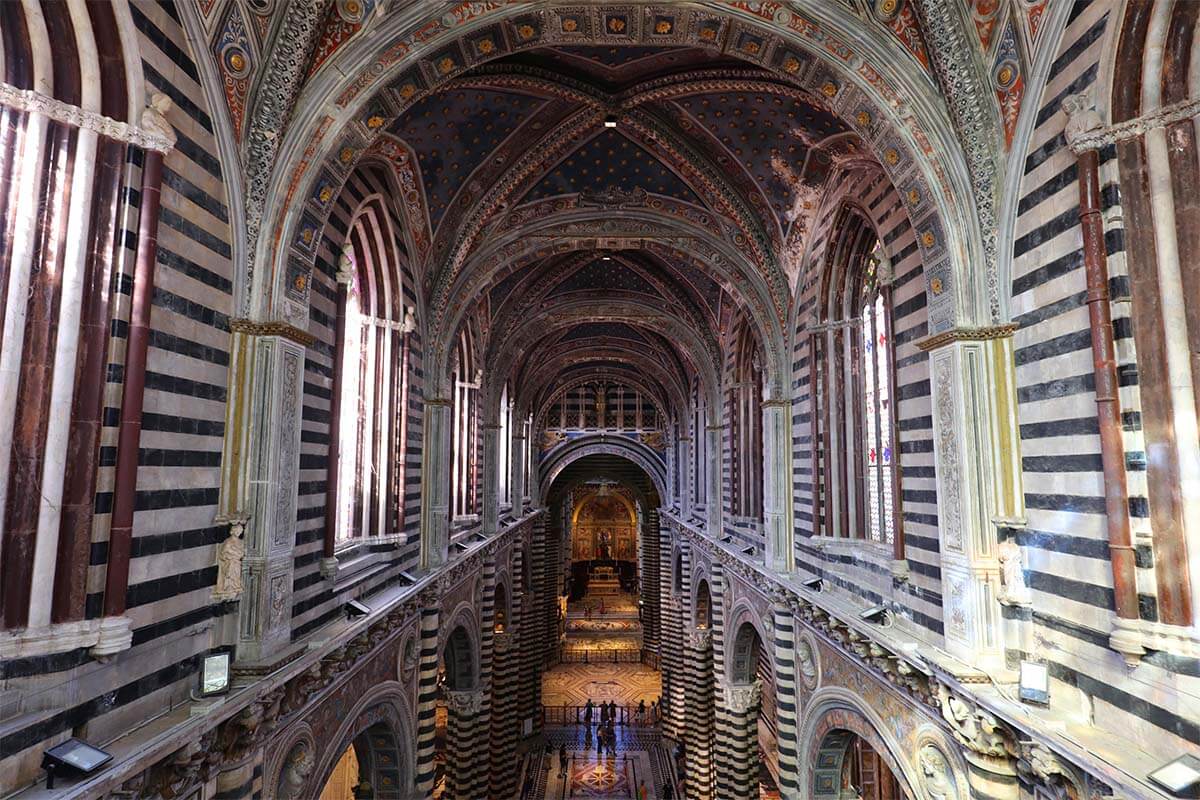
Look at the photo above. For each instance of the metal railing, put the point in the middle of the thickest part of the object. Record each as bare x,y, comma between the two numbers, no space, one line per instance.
626,715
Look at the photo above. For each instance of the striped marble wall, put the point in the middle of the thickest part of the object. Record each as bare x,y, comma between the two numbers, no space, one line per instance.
171,573
1065,542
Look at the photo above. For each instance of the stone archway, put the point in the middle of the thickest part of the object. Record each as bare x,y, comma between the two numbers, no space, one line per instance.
838,735
378,734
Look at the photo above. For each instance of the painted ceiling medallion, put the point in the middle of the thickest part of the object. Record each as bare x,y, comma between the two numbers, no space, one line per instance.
887,10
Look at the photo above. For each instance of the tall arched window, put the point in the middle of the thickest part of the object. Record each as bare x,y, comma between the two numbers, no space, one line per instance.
746,426
853,380
373,389
875,389
505,456
464,431
699,445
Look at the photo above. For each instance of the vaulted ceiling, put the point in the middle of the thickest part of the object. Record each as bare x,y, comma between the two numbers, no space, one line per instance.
598,189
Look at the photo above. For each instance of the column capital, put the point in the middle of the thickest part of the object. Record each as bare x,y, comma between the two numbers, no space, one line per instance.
965,334
465,702
249,327
741,697
700,638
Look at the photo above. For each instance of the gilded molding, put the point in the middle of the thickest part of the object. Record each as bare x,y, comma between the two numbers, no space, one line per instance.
967,335
282,329
33,102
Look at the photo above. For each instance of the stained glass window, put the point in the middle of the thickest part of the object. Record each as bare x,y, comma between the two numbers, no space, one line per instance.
877,410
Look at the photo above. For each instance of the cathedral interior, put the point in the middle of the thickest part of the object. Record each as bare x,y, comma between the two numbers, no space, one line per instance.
531,399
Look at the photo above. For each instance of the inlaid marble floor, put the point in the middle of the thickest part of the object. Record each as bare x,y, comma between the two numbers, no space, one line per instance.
624,684
639,757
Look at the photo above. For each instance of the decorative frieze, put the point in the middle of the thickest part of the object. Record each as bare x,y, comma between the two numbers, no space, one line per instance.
1086,131
149,136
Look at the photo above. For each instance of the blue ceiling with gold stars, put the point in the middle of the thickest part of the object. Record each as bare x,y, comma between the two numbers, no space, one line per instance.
602,275
452,132
611,161
753,127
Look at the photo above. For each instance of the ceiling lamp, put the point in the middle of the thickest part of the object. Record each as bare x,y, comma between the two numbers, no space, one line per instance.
610,121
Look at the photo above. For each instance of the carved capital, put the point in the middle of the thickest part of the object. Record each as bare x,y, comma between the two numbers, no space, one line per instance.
700,638
465,703
741,698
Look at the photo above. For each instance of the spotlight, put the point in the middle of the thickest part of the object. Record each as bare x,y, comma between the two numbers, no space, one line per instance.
75,756
1035,682
356,609
812,583
214,674
610,121
876,614
1178,777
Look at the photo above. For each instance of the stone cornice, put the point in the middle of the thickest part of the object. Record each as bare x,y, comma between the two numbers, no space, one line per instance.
967,335
34,102
281,329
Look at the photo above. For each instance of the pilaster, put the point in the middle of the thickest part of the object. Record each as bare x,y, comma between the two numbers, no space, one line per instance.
714,502
264,620
777,485
435,483
491,478
978,481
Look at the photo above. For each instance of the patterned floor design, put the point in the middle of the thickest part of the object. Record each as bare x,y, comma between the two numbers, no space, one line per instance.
624,684
640,757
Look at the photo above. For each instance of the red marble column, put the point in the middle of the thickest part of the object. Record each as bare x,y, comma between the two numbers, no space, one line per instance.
33,393
1108,404
74,542
133,394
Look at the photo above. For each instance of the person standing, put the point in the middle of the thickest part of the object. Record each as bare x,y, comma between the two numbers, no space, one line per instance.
562,761
587,713
641,712
603,713
642,794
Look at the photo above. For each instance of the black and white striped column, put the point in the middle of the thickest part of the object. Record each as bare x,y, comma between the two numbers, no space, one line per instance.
651,580
533,631
698,719
737,770
466,740
671,664
723,729
786,699
506,693
425,767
